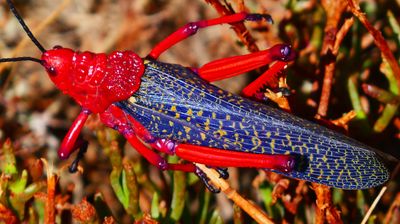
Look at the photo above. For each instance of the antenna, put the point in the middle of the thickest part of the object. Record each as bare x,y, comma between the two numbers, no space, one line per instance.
21,59
27,30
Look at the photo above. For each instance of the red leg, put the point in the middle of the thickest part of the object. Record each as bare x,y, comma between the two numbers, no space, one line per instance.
191,28
70,144
226,158
232,66
265,79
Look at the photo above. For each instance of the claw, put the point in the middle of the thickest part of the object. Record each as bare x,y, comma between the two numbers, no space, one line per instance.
223,172
258,17
206,181
82,150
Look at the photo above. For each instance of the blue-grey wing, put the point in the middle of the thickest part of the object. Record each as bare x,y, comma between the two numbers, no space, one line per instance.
174,103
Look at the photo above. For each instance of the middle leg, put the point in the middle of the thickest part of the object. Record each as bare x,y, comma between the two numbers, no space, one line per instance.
224,68
232,66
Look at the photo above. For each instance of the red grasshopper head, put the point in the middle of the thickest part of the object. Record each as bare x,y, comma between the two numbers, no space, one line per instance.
94,80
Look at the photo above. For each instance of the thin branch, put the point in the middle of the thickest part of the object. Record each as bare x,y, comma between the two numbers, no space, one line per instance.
377,199
241,31
331,44
255,212
341,34
345,119
325,211
50,204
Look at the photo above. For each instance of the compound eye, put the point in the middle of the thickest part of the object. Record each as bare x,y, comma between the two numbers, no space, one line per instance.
57,47
52,71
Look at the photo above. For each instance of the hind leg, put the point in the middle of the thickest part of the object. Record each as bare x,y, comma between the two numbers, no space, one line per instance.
192,28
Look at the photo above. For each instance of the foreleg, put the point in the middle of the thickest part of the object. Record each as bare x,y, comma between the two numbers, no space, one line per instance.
70,143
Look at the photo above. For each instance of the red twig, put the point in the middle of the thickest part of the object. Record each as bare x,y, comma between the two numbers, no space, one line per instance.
294,203
50,208
332,40
239,28
325,211
251,209
344,120
7,216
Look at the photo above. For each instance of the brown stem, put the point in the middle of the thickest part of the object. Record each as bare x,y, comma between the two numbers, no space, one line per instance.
341,34
326,89
334,10
239,28
255,212
344,120
50,207
325,210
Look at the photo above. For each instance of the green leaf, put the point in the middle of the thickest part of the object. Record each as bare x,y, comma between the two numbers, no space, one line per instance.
155,210
8,162
179,192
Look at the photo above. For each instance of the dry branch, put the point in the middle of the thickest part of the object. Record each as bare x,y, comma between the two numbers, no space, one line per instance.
255,212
